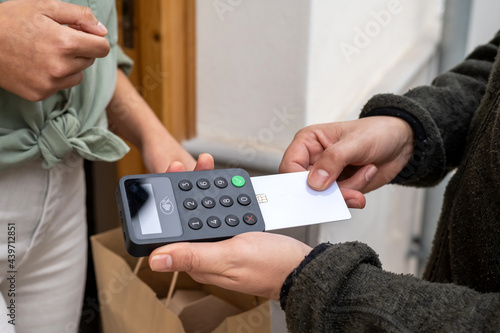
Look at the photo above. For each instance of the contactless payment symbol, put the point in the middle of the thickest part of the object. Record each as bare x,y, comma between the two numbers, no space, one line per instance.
166,206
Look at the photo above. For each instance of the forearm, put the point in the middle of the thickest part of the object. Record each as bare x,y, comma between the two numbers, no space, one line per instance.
442,114
131,117
344,289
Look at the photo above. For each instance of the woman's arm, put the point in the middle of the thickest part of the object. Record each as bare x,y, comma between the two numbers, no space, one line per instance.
130,116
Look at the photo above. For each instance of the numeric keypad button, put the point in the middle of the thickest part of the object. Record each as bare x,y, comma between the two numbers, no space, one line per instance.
203,184
226,201
185,185
244,199
232,220
214,221
190,204
208,202
220,182
195,223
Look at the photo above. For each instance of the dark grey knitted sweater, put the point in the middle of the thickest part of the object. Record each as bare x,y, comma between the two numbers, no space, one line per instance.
457,125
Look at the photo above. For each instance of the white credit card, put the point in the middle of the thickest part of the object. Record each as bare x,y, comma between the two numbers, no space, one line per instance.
287,201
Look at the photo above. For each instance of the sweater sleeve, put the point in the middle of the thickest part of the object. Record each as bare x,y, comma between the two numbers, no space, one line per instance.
440,115
344,289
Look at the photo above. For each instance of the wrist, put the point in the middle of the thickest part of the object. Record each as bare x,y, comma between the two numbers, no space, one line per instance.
404,132
417,150
403,126
414,129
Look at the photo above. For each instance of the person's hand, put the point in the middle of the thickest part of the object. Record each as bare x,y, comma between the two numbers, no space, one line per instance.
45,45
361,155
158,159
255,263
205,162
162,155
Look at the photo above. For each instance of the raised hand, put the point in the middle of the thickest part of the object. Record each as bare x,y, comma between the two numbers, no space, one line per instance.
361,155
45,45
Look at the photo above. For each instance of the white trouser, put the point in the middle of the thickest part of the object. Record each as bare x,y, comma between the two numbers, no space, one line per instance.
43,289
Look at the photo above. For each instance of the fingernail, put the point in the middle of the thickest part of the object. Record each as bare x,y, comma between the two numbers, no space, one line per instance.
161,263
353,203
102,28
370,173
318,178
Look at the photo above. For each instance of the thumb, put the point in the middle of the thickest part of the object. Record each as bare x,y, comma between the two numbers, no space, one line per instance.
78,17
205,162
176,166
185,257
327,168
332,162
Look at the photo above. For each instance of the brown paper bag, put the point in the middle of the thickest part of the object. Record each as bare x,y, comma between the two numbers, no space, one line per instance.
130,297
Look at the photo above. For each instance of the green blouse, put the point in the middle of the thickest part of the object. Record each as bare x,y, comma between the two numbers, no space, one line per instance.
72,119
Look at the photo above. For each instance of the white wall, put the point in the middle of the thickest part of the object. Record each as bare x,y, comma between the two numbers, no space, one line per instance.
251,78
484,22
355,45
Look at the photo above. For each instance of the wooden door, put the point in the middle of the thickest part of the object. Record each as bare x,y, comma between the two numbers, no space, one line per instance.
159,35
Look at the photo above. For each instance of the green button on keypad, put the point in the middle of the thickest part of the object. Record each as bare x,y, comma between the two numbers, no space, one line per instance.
238,181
